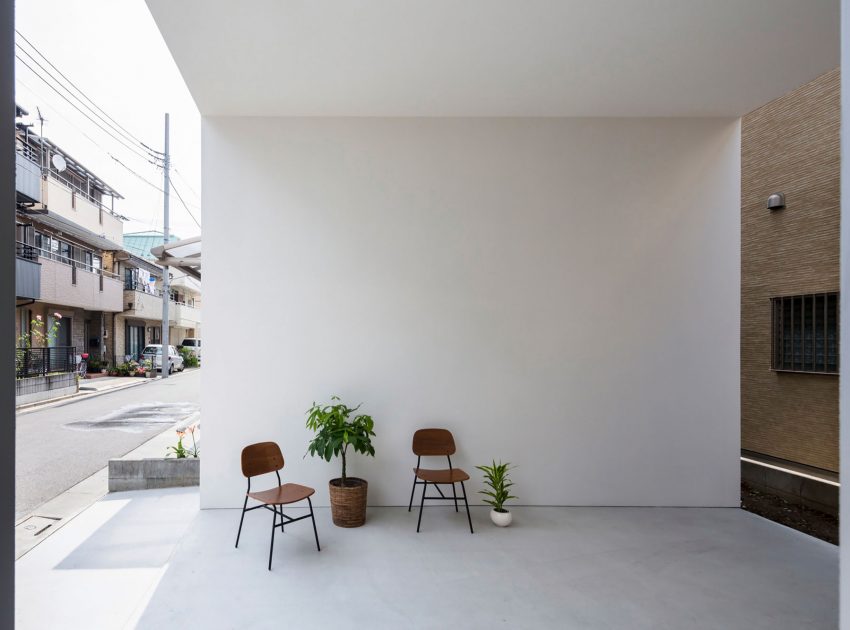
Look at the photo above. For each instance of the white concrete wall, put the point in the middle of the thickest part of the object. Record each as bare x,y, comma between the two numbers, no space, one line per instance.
562,294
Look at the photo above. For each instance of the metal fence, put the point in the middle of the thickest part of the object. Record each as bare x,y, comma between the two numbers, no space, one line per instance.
44,361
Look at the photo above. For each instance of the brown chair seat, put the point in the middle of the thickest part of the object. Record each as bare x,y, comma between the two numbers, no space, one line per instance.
446,475
287,493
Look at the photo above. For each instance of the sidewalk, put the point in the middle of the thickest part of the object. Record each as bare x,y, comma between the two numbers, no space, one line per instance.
48,518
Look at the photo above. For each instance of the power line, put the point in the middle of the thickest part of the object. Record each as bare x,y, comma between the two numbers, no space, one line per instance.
183,179
64,87
141,177
180,197
146,158
126,133
99,146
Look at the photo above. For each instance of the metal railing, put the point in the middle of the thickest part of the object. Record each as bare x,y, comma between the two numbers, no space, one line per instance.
44,361
27,252
79,264
142,287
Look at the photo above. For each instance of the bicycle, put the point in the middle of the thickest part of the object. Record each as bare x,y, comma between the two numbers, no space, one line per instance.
82,365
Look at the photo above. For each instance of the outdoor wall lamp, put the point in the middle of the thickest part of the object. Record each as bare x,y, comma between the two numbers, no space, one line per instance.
776,201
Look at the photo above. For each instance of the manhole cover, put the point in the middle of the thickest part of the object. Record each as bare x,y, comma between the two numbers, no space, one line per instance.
35,525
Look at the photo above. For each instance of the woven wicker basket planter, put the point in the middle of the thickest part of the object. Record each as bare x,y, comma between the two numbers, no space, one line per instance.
348,504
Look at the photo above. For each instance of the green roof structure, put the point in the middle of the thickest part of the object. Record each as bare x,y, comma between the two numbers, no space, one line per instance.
140,243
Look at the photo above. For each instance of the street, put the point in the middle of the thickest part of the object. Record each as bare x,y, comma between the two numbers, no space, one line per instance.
59,446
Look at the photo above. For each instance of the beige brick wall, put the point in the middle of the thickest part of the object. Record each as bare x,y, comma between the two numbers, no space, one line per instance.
790,145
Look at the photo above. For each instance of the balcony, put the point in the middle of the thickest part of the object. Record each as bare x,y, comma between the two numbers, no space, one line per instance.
67,282
184,315
79,208
27,273
141,302
27,178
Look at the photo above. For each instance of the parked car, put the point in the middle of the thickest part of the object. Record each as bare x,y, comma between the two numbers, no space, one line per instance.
153,353
193,344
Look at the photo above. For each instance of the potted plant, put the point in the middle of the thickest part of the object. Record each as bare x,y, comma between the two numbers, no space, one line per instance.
498,483
336,431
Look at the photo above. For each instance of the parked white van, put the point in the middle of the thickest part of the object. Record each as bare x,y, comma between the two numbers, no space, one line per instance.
194,345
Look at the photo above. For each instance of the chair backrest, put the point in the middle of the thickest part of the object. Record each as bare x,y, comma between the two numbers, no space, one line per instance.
261,458
433,442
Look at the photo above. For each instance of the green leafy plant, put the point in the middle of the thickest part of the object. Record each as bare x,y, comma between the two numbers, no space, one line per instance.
182,452
335,432
190,359
497,480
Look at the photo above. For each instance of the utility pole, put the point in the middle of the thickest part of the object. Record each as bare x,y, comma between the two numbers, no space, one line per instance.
166,185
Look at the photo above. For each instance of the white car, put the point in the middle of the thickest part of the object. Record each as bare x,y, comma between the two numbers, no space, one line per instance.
193,344
153,353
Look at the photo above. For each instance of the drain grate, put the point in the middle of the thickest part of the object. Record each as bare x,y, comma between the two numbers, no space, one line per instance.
35,526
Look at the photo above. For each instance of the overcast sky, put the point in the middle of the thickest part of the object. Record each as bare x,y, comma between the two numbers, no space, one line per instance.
112,50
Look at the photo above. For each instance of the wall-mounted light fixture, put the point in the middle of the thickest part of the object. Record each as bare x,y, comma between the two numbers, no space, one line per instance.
776,201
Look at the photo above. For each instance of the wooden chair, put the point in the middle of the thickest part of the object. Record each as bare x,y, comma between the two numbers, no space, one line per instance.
262,458
436,442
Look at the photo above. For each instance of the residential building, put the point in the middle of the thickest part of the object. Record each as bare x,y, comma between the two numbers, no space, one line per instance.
184,314
67,226
790,278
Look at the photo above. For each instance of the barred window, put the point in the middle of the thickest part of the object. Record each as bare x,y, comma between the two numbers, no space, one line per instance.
805,333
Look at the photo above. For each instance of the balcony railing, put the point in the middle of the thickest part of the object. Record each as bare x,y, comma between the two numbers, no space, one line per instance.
143,287
27,176
27,252
43,361
32,250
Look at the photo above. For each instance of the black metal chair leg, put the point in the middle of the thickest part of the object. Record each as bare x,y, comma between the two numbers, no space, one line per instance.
469,518
239,533
271,545
412,492
421,505
313,518
454,494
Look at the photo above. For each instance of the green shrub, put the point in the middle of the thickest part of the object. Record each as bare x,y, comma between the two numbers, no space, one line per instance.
190,359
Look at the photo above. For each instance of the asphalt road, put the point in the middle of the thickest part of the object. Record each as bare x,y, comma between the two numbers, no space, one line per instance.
57,447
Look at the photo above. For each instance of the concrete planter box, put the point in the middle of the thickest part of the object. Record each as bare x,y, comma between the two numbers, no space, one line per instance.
148,474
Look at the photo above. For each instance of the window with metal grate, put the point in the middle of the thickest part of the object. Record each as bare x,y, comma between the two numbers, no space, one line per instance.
805,333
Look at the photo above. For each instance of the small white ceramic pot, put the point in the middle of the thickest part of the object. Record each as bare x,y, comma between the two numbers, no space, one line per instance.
501,519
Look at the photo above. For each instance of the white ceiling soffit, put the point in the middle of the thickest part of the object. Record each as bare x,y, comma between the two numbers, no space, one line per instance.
496,57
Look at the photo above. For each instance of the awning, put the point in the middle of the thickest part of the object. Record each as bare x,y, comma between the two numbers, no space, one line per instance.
184,255
64,226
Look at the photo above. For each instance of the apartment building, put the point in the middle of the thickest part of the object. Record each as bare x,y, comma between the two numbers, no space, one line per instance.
68,245
143,289
790,207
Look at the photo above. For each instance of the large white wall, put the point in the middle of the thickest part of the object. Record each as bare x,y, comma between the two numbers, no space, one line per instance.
562,294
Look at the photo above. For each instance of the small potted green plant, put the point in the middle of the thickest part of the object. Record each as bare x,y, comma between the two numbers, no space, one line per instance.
498,483
336,431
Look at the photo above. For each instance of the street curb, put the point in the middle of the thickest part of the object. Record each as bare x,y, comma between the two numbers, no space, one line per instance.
85,395
37,406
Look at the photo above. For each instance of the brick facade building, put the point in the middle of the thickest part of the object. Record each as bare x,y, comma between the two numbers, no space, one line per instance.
791,146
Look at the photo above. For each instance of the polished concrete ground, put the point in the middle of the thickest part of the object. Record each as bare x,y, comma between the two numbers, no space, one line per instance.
150,559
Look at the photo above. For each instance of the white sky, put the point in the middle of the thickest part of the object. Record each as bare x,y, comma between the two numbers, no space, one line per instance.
112,50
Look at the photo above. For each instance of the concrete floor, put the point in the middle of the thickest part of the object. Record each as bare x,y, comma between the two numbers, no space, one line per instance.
152,560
